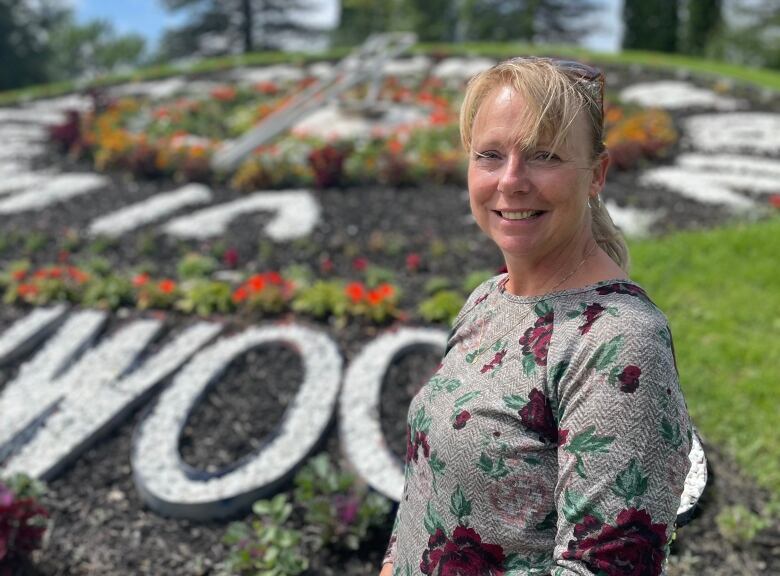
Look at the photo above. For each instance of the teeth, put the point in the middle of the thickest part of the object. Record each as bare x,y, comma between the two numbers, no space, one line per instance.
518,215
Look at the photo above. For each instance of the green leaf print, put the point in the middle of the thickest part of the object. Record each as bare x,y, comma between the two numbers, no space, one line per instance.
558,372
550,522
459,505
576,507
587,441
543,308
613,375
606,353
671,435
437,466
432,520
630,483
495,469
529,364
460,402
515,401
516,565
438,384
421,422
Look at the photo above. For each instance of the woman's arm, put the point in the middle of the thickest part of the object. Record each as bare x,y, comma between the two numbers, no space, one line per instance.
387,569
624,437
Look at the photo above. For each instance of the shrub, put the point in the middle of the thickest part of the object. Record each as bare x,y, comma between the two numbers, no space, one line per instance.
379,304
22,519
110,292
443,306
265,293
338,511
194,265
205,297
322,299
266,547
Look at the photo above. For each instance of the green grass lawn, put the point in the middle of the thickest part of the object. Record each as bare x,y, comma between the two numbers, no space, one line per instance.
721,292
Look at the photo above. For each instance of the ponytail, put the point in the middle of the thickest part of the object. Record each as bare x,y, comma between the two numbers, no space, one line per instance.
606,234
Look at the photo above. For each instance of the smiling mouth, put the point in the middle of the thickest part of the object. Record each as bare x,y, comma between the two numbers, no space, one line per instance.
522,215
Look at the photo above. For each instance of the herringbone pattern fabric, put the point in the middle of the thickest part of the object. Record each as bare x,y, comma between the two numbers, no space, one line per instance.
552,440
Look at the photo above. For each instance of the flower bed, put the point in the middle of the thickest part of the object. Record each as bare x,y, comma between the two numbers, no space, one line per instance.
176,137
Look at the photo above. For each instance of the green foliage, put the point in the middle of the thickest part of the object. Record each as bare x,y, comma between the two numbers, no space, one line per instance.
338,511
437,284
739,525
704,20
34,242
323,298
204,297
301,275
266,548
102,244
194,266
476,278
109,292
24,486
443,306
650,25
376,275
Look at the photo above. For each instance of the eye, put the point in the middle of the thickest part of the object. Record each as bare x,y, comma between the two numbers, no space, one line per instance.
545,156
488,155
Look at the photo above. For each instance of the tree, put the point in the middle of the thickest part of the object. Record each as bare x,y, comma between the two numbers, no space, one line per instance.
704,20
650,25
231,26
91,49
752,37
25,27
361,18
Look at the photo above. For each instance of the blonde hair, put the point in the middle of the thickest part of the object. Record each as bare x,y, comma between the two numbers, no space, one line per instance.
554,99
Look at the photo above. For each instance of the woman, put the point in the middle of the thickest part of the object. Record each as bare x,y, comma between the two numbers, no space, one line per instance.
553,439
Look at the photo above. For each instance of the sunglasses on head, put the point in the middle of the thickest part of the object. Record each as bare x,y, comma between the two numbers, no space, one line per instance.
591,76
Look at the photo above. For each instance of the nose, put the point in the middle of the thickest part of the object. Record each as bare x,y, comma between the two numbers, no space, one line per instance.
514,177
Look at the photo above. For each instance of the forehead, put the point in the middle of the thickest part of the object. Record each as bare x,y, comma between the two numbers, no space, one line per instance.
509,116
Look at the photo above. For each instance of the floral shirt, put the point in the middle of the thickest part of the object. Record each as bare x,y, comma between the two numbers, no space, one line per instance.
552,440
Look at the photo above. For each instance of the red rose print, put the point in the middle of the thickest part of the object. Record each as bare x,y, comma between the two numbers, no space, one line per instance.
494,363
537,416
592,313
629,379
464,554
536,340
634,546
461,419
621,288
563,435
412,447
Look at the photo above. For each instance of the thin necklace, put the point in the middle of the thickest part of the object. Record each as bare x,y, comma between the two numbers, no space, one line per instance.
470,358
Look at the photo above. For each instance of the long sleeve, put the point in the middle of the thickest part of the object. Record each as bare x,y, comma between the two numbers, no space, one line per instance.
389,556
624,437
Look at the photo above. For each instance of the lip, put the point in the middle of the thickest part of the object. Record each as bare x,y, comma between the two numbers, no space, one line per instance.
525,222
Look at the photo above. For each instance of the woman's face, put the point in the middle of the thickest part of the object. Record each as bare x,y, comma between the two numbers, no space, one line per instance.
532,203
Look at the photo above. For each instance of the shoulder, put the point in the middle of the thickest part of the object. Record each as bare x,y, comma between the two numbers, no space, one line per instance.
477,296
610,312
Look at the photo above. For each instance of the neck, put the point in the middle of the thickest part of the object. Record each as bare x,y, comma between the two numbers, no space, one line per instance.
554,271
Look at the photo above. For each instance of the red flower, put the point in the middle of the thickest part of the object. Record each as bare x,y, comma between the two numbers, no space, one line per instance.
461,419
240,294
359,263
537,416
464,554
25,290
274,278
413,262
224,93
77,274
326,265
774,200
634,546
355,291
230,257
256,283
167,286
19,275
141,280
592,313
629,379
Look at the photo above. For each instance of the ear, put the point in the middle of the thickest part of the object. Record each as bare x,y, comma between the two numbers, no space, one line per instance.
599,174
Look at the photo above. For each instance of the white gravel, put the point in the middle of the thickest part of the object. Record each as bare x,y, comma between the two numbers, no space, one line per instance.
297,213
58,189
754,132
150,210
675,95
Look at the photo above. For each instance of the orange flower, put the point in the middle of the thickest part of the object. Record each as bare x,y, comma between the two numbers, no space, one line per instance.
77,274
167,286
54,272
141,279
19,275
356,291
25,290
240,294
224,93
256,283
395,146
